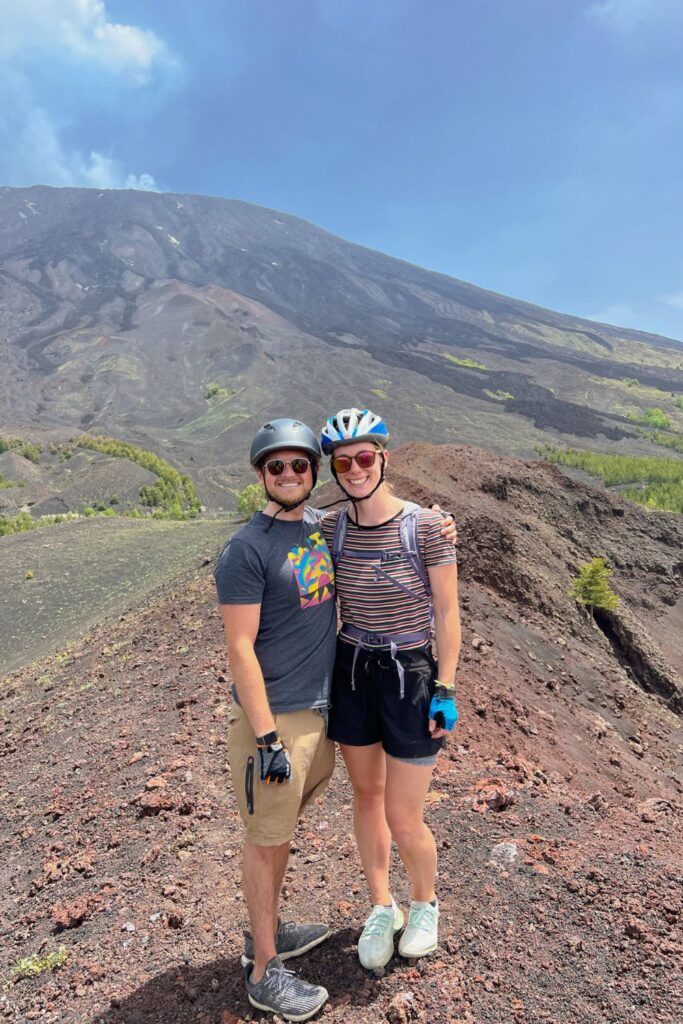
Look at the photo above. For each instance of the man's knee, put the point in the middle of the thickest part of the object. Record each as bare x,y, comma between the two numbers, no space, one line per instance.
256,853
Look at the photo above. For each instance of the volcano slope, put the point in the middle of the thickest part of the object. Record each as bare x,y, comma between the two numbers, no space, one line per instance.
556,807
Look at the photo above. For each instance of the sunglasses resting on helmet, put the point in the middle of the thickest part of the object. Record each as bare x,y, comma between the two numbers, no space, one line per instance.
343,463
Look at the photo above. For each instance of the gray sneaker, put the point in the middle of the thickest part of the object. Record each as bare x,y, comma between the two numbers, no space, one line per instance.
291,939
280,991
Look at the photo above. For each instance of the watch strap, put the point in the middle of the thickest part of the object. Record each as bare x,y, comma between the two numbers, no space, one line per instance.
268,739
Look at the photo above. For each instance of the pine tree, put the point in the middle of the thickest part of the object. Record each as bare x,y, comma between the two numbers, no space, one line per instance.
591,588
251,500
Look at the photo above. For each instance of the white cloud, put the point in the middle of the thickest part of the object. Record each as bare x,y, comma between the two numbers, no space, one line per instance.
32,150
80,30
628,16
66,40
675,300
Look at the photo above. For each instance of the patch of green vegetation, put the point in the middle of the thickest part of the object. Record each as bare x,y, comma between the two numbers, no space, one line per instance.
29,450
32,966
173,492
672,440
23,521
251,500
379,392
215,391
29,574
591,588
4,482
217,419
679,402
500,396
471,364
658,481
654,417
631,382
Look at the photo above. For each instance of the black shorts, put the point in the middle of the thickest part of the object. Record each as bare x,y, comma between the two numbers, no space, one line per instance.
375,712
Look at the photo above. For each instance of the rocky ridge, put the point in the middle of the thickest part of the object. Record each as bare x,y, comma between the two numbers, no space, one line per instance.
556,807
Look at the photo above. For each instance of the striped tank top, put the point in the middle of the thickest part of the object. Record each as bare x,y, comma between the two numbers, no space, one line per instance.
372,603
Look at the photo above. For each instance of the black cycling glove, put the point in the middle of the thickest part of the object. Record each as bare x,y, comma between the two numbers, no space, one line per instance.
275,763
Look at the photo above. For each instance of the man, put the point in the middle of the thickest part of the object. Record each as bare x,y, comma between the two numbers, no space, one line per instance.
276,591
275,583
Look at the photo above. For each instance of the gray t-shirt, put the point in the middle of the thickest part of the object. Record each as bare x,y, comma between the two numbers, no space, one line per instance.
287,569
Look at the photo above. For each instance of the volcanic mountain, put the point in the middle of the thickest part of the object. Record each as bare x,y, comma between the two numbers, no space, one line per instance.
181,322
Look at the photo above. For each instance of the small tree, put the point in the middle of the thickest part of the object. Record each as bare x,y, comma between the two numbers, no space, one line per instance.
590,588
251,500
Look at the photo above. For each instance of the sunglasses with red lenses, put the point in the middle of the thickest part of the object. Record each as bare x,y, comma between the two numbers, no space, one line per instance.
343,463
277,466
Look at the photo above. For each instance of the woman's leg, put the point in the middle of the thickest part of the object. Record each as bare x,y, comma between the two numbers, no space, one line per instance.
405,793
367,771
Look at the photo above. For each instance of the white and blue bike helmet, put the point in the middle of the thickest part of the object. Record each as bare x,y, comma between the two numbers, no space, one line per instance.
350,425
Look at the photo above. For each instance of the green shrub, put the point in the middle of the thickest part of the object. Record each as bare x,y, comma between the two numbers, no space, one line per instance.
32,966
679,402
656,418
500,396
4,482
471,364
16,524
215,391
251,500
590,588
29,450
114,500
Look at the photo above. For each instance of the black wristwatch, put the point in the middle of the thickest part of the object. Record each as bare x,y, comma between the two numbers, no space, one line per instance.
268,739
444,692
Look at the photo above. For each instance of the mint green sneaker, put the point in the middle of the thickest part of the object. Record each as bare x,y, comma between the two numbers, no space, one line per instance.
376,944
422,934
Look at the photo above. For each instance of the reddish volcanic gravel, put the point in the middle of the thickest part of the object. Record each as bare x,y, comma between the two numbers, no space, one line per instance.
556,810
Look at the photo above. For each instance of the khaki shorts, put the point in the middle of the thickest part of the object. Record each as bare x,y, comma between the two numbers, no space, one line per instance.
270,812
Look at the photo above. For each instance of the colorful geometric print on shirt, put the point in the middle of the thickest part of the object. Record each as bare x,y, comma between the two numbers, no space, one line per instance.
313,571
369,601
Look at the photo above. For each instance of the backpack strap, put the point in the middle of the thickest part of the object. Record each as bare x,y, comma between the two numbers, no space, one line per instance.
339,536
409,540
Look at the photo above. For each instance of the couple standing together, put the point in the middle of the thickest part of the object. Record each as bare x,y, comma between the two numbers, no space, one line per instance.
375,689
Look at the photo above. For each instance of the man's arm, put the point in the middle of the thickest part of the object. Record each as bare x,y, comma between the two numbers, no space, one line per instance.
448,528
241,622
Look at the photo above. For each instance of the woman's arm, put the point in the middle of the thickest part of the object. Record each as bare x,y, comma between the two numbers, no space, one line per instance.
444,584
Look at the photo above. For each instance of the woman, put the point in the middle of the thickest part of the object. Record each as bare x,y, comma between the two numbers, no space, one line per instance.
391,707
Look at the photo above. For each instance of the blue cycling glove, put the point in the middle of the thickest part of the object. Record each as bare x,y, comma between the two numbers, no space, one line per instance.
442,708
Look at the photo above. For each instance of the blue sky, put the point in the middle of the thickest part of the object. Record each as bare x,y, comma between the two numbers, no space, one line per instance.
533,147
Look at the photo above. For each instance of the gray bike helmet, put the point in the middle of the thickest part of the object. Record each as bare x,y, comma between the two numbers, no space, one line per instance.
284,433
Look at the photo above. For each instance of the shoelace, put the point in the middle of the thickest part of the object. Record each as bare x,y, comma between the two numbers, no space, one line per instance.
379,921
422,917
280,979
